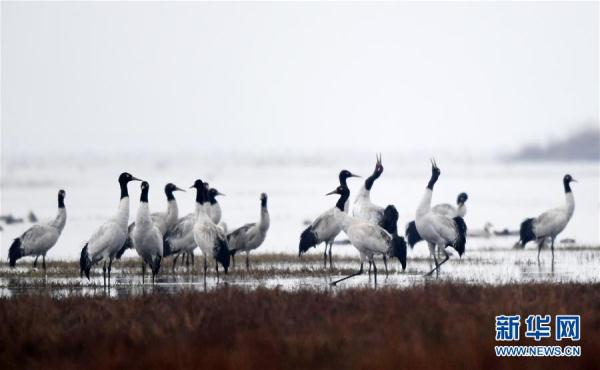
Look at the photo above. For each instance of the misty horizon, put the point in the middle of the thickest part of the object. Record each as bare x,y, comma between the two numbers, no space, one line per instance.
466,81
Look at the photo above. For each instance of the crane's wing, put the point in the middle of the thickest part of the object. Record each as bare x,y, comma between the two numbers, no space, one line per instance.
238,236
444,209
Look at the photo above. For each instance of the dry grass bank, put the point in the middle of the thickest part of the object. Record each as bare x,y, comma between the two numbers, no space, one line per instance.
436,325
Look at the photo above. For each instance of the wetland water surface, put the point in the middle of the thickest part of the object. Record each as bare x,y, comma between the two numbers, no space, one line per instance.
489,266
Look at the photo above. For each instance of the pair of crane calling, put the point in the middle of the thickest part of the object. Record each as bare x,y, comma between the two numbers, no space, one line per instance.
152,235
371,229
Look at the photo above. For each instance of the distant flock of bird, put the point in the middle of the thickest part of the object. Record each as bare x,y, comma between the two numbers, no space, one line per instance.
371,229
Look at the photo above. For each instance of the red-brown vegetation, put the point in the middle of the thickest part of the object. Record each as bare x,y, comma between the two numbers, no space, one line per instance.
449,326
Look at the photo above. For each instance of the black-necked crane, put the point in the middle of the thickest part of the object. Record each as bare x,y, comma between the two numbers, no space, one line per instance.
438,230
209,238
250,236
369,239
550,223
147,237
163,220
39,238
326,227
106,241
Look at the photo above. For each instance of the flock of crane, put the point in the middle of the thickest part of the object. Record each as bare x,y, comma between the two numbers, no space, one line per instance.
371,229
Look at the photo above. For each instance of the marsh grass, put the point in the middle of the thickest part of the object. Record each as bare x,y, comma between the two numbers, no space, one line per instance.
437,325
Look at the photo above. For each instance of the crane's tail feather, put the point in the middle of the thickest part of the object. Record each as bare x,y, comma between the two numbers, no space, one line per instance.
85,263
526,233
461,240
127,245
156,265
389,221
223,254
14,252
399,249
308,239
167,249
412,234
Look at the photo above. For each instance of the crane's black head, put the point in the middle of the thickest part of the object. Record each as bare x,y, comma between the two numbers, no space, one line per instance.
263,199
145,188
212,195
345,175
169,189
435,174
344,193
376,173
61,198
567,180
200,187
126,177
378,166
462,198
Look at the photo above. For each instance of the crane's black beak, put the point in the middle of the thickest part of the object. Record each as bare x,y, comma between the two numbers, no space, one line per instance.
332,192
221,194
133,178
177,188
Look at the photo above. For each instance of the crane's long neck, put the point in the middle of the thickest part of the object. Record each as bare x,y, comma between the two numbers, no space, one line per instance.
461,209
341,203
570,200
371,180
61,216
364,195
201,205
143,214
265,219
172,211
123,212
425,204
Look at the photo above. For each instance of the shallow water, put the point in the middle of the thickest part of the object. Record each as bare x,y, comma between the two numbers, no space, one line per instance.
494,266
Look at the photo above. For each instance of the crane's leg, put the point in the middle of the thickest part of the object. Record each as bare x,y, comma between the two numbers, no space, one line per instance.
187,260
217,268
109,269
35,262
175,261
551,247
143,271
350,276
192,256
44,260
330,260
370,267
205,267
375,270
104,273
325,256
153,268
437,266
248,261
385,264
431,247
540,243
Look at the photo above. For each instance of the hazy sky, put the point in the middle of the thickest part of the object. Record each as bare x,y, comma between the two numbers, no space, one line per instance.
254,77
